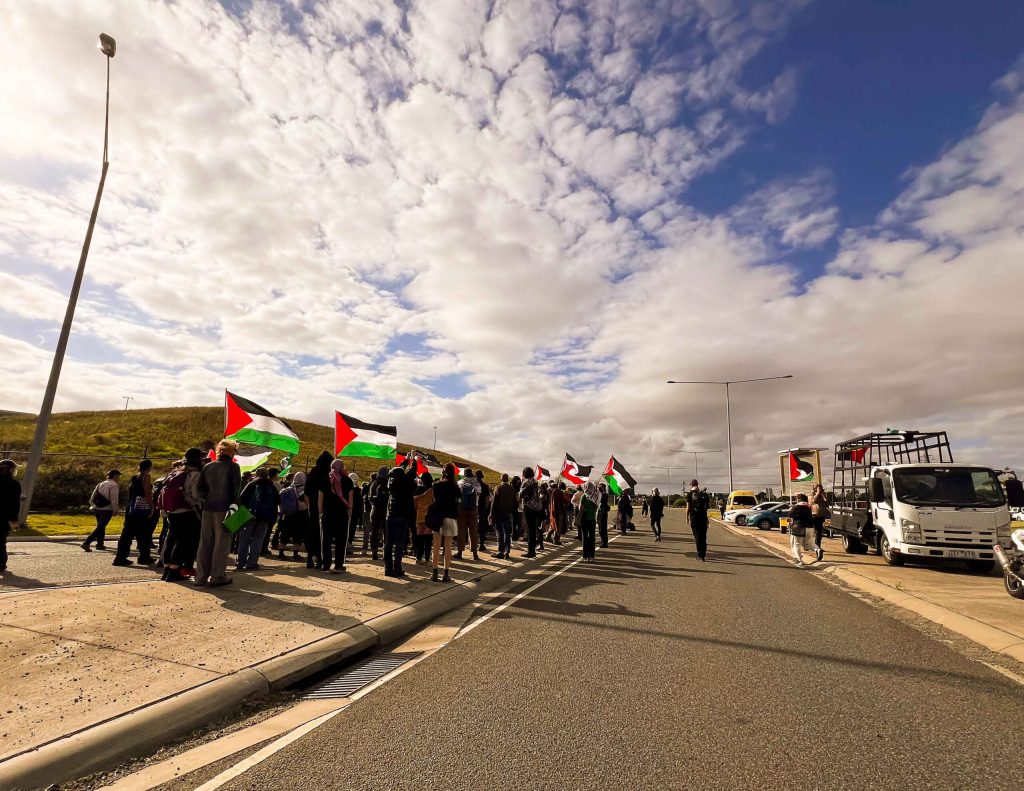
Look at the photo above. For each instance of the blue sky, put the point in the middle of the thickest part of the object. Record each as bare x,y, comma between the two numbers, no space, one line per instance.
514,220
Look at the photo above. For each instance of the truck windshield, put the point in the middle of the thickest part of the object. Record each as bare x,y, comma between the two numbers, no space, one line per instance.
954,486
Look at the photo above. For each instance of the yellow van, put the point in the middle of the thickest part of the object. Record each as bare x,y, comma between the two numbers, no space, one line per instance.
739,500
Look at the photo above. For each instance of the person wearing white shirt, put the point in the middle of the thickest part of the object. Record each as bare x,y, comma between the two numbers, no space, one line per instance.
103,504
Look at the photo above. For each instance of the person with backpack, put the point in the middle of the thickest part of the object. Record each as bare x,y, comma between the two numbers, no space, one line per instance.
103,504
603,509
138,524
533,510
262,499
445,512
218,486
316,480
801,520
588,512
378,511
181,501
293,514
697,504
469,501
10,505
657,511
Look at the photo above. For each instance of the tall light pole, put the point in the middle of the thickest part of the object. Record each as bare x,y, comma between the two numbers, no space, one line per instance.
126,400
435,437
108,47
695,453
728,407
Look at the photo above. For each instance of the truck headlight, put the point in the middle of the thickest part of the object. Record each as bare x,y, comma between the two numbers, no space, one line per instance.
1003,531
911,531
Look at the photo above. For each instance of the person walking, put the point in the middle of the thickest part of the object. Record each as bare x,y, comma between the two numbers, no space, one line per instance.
400,519
334,503
219,485
378,511
819,513
446,501
138,523
800,521
533,511
697,504
603,509
316,481
518,520
625,505
503,509
469,502
10,505
483,510
263,500
645,506
657,511
589,508
181,500
103,502
424,498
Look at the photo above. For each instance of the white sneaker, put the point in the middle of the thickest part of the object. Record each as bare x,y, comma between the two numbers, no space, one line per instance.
799,564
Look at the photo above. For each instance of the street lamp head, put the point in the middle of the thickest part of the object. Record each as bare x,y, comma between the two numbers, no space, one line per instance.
107,45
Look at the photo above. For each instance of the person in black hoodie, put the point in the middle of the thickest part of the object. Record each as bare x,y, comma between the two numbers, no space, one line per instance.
378,510
446,500
602,515
10,504
656,507
401,517
315,481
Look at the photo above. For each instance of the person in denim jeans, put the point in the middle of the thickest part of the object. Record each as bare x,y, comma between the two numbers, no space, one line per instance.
262,499
503,507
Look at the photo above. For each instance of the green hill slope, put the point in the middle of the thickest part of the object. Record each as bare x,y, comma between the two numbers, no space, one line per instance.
102,440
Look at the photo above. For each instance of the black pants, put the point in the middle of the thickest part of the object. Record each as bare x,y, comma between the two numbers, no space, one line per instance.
588,527
656,525
313,537
602,528
137,528
481,527
353,523
396,533
182,540
333,539
5,530
378,518
103,517
819,529
533,522
700,535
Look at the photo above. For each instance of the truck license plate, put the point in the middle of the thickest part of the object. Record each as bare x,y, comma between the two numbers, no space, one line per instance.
962,553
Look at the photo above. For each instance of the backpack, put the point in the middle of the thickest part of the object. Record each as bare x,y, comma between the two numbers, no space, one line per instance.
289,501
172,494
698,503
468,502
262,503
531,499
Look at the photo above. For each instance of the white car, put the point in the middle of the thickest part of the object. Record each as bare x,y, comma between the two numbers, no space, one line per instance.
741,515
1017,514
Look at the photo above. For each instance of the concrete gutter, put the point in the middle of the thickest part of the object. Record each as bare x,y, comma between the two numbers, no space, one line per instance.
146,729
984,634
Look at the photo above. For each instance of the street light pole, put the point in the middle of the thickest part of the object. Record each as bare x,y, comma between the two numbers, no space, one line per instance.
435,437
108,47
728,406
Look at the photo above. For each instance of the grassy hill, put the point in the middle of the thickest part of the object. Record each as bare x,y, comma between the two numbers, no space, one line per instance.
120,438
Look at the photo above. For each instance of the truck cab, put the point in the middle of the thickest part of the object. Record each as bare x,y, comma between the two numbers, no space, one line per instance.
918,510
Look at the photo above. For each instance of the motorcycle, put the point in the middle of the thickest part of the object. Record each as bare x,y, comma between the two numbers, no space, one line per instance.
1012,562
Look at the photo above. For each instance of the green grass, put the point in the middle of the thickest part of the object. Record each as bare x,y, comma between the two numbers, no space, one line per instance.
65,525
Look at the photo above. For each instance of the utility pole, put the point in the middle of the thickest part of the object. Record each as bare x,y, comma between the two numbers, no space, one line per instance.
435,437
126,400
108,47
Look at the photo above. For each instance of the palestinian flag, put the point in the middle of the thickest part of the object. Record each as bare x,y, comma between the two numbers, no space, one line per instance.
543,474
800,470
365,440
248,422
575,473
424,462
856,456
617,477
247,463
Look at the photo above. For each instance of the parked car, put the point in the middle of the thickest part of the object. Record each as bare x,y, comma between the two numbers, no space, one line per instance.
770,518
742,516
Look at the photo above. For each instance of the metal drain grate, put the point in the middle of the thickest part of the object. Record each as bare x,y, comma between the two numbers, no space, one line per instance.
353,680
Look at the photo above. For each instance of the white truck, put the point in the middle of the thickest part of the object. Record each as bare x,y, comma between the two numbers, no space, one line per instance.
901,494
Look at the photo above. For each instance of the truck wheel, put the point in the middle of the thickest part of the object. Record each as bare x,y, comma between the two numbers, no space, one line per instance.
1013,586
852,545
981,566
890,557
741,520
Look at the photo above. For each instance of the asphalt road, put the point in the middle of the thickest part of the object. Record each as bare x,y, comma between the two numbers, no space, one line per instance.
649,669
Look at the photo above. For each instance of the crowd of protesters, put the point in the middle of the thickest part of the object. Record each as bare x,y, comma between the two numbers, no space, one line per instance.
184,521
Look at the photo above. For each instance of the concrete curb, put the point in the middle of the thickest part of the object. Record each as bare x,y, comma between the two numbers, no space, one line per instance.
143,730
983,634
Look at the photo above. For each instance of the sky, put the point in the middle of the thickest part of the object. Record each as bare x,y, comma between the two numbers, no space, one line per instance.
515,220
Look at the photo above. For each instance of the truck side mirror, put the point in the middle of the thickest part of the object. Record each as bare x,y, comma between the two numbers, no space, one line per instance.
877,493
